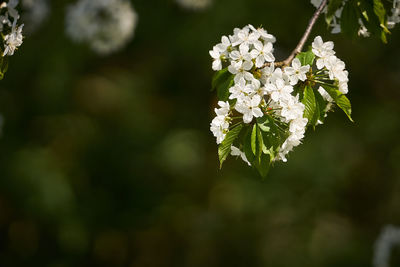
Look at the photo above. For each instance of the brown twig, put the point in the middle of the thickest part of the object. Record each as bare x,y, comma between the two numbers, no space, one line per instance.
303,39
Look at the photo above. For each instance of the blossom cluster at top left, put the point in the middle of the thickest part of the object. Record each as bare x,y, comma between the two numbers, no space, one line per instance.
11,32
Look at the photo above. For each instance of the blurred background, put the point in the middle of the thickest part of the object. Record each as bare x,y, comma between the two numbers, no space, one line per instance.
109,161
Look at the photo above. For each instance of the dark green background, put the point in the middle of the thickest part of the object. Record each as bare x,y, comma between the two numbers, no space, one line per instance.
108,161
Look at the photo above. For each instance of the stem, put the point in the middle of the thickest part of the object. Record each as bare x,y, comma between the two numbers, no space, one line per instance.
303,39
323,83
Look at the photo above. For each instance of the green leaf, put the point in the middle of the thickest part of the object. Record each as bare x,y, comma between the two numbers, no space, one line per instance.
223,89
380,12
374,17
273,138
340,99
222,81
253,139
258,160
256,142
306,58
263,165
349,20
260,142
224,149
311,111
218,77
264,123
247,149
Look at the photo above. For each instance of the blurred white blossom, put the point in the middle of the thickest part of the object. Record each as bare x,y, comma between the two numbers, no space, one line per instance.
13,40
389,237
11,32
394,18
34,13
106,25
194,4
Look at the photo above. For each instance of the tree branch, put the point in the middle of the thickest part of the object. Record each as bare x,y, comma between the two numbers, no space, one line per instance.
303,39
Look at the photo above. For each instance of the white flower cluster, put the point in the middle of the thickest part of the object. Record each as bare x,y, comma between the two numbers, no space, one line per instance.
329,64
389,237
220,124
10,31
394,18
335,23
259,88
194,4
107,25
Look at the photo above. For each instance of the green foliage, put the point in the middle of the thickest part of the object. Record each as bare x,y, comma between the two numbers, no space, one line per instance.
340,99
254,139
222,81
262,141
311,111
380,12
224,149
349,20
373,15
255,150
306,58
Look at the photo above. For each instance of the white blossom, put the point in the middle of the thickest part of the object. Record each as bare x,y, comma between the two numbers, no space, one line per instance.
266,73
297,72
336,69
241,70
363,31
13,40
325,94
220,124
394,18
262,53
242,89
343,86
34,13
291,108
216,55
219,53
249,107
322,50
4,20
224,109
237,152
219,128
245,37
279,90
106,25
389,237
11,32
263,34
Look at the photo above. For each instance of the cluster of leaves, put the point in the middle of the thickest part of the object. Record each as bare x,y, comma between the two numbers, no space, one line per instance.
373,14
262,139
316,107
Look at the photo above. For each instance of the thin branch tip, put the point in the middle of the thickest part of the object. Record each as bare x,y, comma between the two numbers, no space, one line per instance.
303,39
